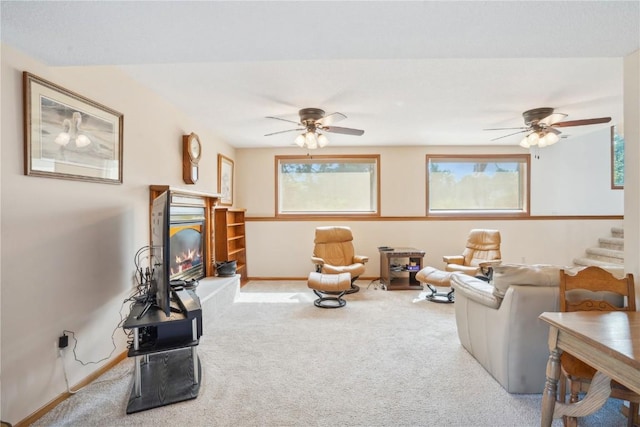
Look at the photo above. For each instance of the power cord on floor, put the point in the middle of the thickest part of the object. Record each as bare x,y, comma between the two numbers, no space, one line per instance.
375,283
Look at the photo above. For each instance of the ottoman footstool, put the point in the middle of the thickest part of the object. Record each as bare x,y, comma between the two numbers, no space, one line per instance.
433,277
336,284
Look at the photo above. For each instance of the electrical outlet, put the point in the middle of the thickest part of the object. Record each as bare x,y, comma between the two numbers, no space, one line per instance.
63,340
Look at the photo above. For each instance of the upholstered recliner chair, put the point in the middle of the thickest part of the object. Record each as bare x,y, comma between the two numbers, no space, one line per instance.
481,251
334,253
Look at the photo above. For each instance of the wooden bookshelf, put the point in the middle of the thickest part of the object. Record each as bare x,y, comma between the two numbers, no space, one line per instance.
230,239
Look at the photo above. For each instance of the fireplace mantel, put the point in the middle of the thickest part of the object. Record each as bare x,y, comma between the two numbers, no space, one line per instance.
184,197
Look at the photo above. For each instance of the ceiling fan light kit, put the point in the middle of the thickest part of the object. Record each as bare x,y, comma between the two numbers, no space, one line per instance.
314,120
541,139
541,123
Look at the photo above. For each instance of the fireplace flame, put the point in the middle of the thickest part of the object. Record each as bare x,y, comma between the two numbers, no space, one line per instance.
186,260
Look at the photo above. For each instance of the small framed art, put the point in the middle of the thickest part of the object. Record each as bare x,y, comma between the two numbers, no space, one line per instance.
225,180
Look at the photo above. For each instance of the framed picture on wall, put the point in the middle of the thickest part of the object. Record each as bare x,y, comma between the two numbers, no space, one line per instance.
225,180
69,136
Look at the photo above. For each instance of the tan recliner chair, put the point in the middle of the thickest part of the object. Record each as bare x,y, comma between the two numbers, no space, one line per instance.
481,251
334,253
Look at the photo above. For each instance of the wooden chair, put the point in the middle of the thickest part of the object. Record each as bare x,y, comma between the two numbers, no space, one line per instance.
594,289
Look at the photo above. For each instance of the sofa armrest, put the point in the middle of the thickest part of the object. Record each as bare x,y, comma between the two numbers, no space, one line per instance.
485,266
509,342
475,289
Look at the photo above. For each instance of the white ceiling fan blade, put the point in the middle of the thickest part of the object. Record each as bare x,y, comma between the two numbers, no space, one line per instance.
511,134
284,120
552,119
332,118
285,131
346,131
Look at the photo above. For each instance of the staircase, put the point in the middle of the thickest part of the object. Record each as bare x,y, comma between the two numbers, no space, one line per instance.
609,254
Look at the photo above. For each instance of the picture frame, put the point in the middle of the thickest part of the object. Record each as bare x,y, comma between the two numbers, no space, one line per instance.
617,159
225,180
69,136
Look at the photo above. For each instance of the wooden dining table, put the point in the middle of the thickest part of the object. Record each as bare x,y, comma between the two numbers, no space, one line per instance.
607,341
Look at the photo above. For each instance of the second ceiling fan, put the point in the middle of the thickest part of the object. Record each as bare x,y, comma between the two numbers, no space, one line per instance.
313,122
541,124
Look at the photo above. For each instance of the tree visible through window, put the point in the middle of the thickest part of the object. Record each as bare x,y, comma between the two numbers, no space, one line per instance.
478,185
617,159
327,185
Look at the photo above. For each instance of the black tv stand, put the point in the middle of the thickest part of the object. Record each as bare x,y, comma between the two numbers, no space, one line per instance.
146,308
167,368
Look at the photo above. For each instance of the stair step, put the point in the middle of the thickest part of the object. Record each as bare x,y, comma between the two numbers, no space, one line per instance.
617,232
607,255
584,261
615,243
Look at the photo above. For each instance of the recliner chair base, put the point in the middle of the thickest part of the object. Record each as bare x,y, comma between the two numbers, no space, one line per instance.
443,297
354,288
329,302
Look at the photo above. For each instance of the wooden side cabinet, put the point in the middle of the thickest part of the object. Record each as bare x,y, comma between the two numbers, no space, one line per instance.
231,244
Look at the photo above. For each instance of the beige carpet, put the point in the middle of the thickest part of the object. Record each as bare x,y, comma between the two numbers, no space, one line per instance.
274,359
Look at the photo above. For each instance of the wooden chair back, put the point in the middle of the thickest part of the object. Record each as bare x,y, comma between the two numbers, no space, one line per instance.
599,289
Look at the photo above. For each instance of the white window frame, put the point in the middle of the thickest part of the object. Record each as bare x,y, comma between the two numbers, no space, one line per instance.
524,169
374,190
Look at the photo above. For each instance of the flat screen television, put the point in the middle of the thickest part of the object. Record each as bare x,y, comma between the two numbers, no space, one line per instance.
159,292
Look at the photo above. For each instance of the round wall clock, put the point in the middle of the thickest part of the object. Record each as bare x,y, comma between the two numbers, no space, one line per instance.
191,154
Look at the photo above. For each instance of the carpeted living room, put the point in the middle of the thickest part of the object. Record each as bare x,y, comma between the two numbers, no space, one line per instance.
271,358
246,127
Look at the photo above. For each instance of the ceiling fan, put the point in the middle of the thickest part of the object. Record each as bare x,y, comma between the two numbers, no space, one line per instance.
313,122
541,124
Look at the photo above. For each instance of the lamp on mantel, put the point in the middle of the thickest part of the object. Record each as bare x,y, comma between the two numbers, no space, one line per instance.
541,138
312,139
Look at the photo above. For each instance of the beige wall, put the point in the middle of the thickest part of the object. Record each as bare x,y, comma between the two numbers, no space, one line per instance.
68,246
283,249
564,181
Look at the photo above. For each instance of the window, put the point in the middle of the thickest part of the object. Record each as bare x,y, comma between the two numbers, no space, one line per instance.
496,185
327,185
617,160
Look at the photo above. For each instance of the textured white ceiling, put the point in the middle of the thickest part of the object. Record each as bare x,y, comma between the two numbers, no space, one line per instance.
406,72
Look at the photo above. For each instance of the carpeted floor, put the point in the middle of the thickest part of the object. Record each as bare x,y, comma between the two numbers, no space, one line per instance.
274,359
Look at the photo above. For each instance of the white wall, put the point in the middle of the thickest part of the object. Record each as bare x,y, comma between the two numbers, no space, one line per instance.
283,249
570,178
68,246
632,167
563,179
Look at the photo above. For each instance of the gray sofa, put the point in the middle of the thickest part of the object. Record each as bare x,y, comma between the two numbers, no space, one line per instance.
498,322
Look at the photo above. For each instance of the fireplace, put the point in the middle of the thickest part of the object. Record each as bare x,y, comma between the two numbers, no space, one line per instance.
186,244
